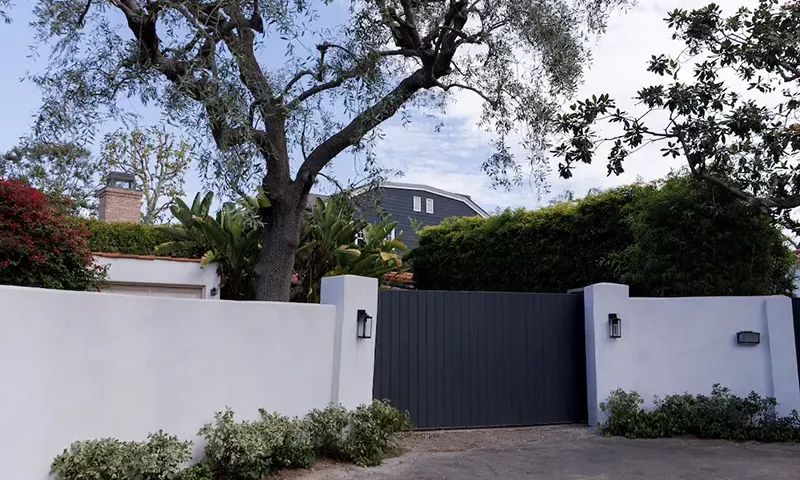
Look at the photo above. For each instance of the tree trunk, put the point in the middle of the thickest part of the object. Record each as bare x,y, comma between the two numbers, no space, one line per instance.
279,242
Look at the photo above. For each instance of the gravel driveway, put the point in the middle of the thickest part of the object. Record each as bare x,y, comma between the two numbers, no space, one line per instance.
570,452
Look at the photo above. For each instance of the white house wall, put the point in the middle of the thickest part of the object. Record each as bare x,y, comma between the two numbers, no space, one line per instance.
156,271
80,365
678,345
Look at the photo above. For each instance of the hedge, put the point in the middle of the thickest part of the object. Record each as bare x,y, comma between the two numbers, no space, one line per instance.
674,238
130,238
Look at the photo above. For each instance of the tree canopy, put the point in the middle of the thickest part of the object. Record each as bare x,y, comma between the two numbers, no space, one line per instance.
157,159
213,67
728,104
60,170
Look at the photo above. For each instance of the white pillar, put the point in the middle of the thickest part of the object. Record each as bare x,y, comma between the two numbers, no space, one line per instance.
353,358
783,358
607,364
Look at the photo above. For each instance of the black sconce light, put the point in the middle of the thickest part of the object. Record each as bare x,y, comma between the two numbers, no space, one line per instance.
364,327
213,291
748,338
614,326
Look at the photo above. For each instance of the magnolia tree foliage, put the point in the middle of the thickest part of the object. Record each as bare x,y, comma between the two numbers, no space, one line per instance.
214,67
728,104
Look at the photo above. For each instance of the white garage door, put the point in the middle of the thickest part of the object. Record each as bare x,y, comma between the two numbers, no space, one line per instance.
175,291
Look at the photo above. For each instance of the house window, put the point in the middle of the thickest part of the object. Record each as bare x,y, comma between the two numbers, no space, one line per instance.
392,235
428,205
417,204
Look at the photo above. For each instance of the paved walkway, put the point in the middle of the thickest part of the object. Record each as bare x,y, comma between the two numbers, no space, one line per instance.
566,453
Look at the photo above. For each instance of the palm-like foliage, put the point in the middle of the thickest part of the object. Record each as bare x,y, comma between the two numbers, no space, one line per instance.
231,239
328,244
329,247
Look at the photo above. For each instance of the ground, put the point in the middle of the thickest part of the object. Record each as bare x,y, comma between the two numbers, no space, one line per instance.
570,452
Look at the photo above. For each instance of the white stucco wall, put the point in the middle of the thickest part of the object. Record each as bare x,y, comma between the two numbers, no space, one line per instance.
156,271
677,345
79,365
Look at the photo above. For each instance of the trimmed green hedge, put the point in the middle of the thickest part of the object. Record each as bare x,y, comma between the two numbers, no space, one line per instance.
130,238
677,238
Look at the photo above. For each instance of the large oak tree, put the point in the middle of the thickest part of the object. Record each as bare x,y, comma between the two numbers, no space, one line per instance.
215,67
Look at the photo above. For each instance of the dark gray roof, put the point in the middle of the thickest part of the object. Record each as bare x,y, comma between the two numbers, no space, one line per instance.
312,199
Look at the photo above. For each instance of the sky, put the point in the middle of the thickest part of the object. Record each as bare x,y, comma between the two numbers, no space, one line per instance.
449,159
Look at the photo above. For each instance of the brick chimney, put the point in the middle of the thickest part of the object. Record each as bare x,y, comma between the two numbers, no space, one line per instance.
119,200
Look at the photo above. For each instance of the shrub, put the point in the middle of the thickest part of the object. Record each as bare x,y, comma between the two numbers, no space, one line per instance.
198,471
248,450
373,432
130,238
671,238
362,436
327,428
720,415
40,246
240,450
296,449
157,458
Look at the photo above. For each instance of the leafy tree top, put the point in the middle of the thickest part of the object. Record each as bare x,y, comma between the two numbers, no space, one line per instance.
211,66
728,104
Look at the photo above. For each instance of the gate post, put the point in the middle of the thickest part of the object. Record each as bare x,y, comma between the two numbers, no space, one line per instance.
780,334
353,358
608,366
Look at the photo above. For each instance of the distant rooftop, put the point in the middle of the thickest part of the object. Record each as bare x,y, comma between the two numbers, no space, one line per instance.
408,186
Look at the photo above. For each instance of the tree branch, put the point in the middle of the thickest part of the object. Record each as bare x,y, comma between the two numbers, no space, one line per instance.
363,123
359,69
297,77
84,12
491,102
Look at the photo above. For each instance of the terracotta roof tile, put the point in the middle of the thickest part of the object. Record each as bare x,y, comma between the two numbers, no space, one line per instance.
399,277
145,257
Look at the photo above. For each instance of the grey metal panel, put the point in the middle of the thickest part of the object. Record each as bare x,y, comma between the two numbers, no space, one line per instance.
472,359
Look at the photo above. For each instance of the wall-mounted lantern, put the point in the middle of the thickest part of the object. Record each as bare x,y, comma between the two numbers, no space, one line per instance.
614,326
213,291
364,327
748,338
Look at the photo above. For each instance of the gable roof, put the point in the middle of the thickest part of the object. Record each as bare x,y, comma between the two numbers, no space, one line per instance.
436,191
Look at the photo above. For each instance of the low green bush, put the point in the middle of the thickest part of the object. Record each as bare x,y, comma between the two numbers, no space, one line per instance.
362,436
296,449
198,471
373,432
720,415
158,458
327,428
242,450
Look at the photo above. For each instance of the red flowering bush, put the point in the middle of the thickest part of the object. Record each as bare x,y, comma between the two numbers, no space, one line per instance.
40,245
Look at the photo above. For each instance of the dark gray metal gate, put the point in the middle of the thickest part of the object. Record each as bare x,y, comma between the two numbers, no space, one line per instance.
796,315
478,359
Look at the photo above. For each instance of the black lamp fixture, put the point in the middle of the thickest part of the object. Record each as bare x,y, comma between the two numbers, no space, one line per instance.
614,326
748,338
364,327
213,291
